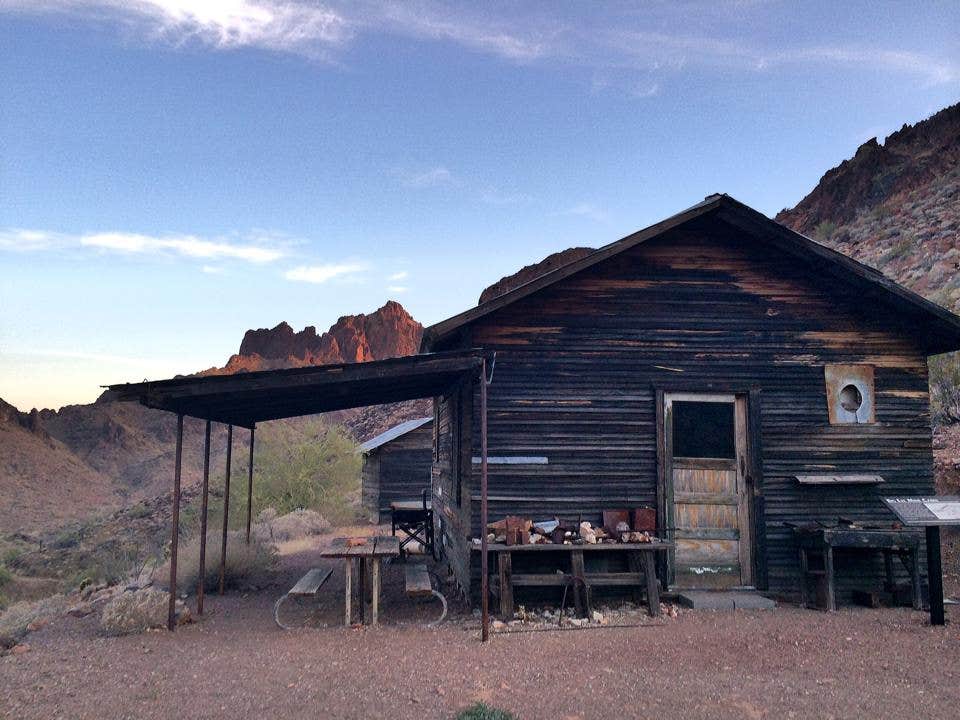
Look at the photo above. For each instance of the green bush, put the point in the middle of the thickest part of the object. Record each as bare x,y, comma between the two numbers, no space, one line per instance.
480,711
945,388
307,466
824,230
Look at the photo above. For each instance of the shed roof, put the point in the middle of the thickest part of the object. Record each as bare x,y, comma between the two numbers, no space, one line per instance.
245,399
393,433
936,328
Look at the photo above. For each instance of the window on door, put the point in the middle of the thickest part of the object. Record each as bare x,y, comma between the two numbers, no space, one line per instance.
703,429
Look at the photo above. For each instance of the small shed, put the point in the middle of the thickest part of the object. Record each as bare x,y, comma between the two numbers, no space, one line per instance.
396,465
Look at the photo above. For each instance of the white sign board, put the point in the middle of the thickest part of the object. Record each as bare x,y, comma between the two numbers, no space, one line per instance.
943,510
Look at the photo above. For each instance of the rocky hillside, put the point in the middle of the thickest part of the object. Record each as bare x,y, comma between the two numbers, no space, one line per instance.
896,207
387,332
528,273
59,465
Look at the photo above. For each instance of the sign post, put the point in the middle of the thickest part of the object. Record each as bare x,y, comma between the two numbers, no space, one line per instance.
929,513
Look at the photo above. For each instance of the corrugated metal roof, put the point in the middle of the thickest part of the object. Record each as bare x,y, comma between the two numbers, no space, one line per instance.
393,433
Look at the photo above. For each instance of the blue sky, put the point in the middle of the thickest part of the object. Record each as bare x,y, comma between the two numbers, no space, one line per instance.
170,177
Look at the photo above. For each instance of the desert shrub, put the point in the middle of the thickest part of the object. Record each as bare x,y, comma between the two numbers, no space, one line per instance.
139,511
246,564
481,711
15,620
292,526
309,466
5,577
945,388
824,230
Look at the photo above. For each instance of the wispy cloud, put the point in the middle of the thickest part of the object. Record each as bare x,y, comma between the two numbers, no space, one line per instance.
402,275
283,25
434,177
494,196
617,40
188,245
589,210
212,270
130,243
319,274
397,288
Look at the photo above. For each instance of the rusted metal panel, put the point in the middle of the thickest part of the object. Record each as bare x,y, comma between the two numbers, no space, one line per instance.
850,393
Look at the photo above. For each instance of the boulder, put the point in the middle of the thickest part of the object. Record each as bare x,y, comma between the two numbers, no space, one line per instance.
134,612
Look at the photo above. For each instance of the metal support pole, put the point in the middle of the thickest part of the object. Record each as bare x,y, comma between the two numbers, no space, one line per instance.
226,508
935,575
203,519
175,532
250,485
484,562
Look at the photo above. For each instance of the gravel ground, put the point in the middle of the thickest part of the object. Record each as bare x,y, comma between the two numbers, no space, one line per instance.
787,663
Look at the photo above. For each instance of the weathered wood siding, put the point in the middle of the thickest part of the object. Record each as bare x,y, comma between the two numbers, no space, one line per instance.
451,467
704,307
397,470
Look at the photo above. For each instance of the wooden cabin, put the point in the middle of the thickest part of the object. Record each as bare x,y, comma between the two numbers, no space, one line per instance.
396,466
718,366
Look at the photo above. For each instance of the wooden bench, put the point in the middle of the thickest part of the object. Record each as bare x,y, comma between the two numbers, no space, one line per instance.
307,586
418,586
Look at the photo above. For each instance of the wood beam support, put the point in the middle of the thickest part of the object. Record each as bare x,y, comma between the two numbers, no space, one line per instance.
175,530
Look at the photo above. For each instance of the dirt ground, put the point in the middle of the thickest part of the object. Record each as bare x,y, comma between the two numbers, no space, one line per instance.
234,662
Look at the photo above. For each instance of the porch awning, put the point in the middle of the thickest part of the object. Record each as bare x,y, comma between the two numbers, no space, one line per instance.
245,399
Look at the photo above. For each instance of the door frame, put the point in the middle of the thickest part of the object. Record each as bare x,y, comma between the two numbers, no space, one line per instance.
753,526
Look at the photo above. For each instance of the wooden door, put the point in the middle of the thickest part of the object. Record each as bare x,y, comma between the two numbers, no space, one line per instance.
708,508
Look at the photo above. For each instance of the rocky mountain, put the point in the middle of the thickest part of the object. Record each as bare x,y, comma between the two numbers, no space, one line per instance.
387,332
896,207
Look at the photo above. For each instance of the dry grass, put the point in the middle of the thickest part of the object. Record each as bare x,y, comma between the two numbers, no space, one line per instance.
247,565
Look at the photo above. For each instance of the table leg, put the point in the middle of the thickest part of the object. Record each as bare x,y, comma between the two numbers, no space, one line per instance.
653,592
348,572
375,583
888,570
636,565
362,587
505,570
579,586
828,568
804,566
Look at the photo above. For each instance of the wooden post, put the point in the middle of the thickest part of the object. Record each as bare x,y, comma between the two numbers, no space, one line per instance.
250,486
203,519
935,575
175,532
484,562
505,567
653,592
375,588
347,568
226,508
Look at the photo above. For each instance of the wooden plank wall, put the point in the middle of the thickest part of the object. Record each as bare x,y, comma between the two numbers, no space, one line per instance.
452,518
397,470
705,306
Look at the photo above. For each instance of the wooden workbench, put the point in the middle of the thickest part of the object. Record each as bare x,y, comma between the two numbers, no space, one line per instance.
369,555
640,559
822,541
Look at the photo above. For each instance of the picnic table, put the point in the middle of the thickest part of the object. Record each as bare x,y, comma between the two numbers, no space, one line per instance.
369,554
640,560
